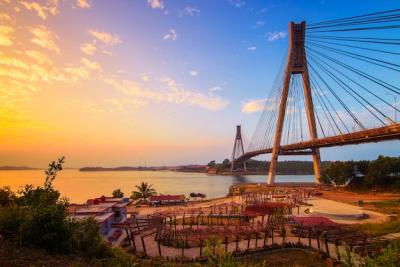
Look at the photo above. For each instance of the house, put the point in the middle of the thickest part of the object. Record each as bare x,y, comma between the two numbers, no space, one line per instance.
105,210
167,199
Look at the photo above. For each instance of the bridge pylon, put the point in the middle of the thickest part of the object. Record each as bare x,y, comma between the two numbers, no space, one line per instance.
238,151
296,64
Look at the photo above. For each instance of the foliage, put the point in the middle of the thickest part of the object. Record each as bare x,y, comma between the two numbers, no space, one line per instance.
117,193
143,192
11,219
377,229
388,257
338,172
85,237
226,163
211,163
51,172
46,227
6,196
385,257
197,195
38,218
216,255
384,172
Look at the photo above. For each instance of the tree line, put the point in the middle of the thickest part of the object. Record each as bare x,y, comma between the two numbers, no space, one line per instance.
382,173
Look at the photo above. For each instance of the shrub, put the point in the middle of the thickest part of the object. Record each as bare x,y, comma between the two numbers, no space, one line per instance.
6,196
46,227
11,219
117,193
85,238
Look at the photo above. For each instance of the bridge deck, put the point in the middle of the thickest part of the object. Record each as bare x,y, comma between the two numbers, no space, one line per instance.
391,132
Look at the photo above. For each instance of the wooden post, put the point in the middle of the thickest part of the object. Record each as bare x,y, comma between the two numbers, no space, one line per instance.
237,243
201,247
226,244
159,248
144,246
265,238
248,242
256,240
326,245
272,236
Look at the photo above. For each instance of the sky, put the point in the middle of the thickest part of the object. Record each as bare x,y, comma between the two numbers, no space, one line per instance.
134,82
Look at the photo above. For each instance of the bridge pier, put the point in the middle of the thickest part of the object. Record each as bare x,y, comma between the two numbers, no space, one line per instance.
296,64
238,149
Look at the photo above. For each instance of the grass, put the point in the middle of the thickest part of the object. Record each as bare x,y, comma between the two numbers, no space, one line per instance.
387,206
287,257
378,229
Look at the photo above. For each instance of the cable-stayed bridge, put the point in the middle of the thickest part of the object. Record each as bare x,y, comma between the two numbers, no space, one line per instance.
338,85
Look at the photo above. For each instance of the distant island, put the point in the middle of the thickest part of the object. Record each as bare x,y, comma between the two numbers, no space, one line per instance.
16,168
188,168
253,167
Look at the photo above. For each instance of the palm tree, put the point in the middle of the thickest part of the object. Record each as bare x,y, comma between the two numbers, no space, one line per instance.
144,191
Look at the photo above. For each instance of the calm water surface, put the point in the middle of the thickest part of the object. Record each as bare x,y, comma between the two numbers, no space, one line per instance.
79,186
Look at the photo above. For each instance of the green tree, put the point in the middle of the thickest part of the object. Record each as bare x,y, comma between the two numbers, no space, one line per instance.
144,191
338,172
211,163
117,193
226,163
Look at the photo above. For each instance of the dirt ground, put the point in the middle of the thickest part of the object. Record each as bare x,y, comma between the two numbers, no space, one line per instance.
353,198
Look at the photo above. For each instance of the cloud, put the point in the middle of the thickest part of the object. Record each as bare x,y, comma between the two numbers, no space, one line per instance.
39,57
171,35
262,10
145,77
108,53
252,48
194,73
179,95
190,11
88,48
90,65
156,4
44,38
171,93
6,35
237,3
273,36
4,17
258,24
255,105
43,11
106,38
215,89
83,4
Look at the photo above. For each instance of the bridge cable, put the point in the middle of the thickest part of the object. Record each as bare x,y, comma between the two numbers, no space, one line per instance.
344,86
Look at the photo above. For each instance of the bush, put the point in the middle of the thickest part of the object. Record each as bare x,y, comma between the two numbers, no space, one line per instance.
6,196
85,238
117,193
46,227
11,219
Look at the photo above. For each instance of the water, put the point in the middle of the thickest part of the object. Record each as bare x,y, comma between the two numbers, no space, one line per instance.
79,186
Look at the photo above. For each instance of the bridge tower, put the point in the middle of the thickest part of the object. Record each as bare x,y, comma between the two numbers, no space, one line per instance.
296,64
238,149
